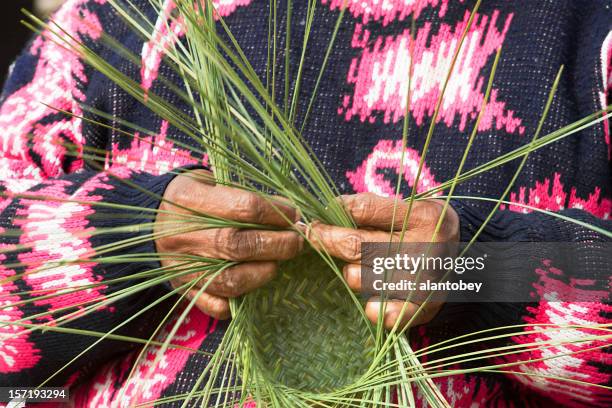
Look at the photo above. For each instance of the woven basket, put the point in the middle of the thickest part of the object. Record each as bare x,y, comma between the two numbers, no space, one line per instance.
304,330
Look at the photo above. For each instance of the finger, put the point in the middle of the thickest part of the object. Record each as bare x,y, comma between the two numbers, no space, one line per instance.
256,245
240,245
352,275
238,205
240,279
393,313
214,306
202,176
373,211
343,243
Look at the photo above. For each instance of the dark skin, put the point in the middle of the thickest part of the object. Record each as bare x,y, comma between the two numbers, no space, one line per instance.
260,251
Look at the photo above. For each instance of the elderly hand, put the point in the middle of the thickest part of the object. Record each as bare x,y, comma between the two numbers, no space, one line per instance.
373,215
257,250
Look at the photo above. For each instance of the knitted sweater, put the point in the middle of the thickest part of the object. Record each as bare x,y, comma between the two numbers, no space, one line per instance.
355,130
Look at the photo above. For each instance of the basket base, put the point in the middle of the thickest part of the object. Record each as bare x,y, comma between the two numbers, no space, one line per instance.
305,330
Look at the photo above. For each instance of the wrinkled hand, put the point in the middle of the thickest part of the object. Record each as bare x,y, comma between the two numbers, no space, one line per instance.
257,250
373,215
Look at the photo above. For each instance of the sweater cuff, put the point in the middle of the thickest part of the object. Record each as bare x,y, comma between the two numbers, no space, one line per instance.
503,226
143,192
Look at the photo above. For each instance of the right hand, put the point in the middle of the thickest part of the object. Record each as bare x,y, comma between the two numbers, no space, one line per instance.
257,250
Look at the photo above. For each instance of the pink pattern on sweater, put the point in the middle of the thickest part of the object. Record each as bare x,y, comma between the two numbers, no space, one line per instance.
58,231
582,366
388,155
459,390
151,154
16,351
465,391
168,30
110,388
555,198
55,85
380,76
388,10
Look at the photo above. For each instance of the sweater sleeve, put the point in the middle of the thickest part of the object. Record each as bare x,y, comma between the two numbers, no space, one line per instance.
55,217
579,296
583,291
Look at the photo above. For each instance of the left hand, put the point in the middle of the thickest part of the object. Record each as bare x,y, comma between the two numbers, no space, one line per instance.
373,215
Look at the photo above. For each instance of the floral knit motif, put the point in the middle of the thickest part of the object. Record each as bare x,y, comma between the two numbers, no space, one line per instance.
55,198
